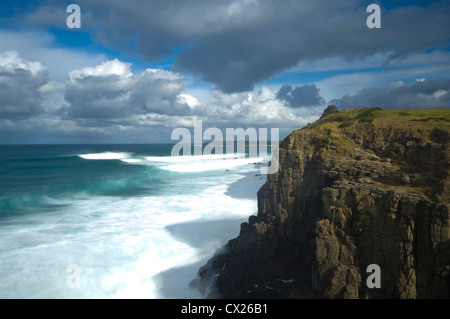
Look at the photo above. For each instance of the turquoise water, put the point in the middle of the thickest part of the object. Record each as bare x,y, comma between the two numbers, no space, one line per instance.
109,211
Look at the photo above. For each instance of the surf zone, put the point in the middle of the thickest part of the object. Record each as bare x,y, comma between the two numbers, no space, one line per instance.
211,142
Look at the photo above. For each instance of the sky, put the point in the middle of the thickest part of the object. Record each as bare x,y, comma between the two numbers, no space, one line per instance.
136,70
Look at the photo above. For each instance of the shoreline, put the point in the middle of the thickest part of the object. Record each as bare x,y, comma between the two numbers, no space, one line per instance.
206,236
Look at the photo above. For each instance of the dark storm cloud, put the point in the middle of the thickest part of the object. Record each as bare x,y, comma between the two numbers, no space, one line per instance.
293,32
306,95
235,44
20,85
427,94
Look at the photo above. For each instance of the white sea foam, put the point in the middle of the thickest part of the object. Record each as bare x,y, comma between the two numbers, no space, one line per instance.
121,245
198,163
190,164
191,158
200,166
182,164
133,160
106,156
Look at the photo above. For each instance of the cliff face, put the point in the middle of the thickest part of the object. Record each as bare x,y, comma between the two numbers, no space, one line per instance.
356,188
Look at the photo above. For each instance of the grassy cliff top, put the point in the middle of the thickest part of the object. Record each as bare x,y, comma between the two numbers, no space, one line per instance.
338,127
418,140
407,118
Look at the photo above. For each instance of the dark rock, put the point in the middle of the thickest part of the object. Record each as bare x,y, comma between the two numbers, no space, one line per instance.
323,219
329,110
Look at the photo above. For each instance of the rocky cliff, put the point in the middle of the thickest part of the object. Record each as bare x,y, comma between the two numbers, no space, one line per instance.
356,188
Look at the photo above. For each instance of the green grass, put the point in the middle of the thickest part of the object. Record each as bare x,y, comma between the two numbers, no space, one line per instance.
368,115
338,127
347,118
406,118
346,123
442,119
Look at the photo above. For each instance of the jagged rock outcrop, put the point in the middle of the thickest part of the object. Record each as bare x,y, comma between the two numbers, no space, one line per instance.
345,197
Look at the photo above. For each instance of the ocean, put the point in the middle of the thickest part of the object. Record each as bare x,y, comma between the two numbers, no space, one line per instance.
116,221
